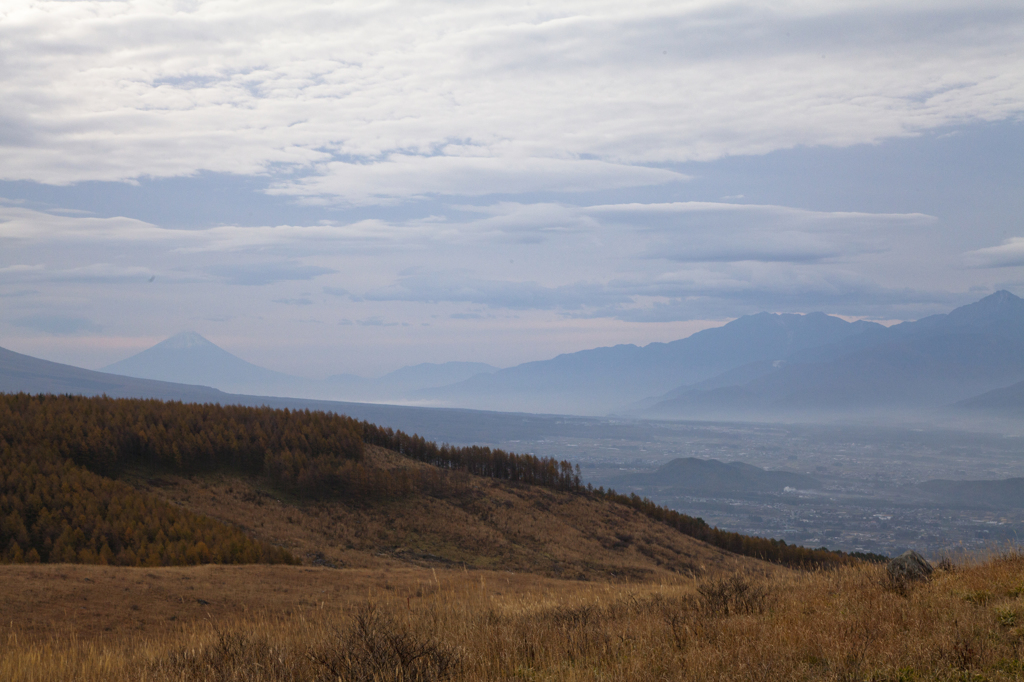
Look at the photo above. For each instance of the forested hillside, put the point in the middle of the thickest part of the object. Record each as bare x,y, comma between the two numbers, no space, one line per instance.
52,510
312,456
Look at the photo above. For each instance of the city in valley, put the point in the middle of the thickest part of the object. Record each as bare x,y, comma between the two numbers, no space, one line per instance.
868,498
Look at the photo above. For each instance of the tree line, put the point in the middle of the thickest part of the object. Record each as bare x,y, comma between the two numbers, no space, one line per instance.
107,435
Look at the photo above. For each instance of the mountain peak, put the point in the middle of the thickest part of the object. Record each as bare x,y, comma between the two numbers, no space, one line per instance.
186,340
1000,307
1002,297
190,358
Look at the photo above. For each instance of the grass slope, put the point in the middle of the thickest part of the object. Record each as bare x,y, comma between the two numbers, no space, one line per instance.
474,522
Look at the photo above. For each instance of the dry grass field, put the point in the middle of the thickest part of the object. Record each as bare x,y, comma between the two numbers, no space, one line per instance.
264,623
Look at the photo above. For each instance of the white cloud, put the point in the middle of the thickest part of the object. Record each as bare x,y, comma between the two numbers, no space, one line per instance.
382,101
702,232
406,176
1006,255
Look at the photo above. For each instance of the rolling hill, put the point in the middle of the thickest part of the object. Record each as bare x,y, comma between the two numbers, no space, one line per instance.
335,490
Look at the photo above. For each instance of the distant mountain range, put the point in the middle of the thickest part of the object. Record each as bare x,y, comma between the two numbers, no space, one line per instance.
403,384
758,367
933,362
191,359
25,374
601,380
999,494
770,366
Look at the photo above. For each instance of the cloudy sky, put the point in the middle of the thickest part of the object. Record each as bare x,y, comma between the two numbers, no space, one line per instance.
327,187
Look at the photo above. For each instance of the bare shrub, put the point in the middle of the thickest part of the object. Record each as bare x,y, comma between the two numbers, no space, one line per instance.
680,616
377,648
733,595
235,656
579,630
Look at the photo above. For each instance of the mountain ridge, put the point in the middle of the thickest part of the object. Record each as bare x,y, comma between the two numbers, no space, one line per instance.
190,358
917,365
602,379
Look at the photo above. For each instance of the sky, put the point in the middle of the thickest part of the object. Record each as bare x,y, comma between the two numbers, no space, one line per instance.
326,187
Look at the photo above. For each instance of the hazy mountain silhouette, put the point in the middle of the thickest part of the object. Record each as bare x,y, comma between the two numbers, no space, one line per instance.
763,366
403,383
1001,494
24,373
598,380
935,361
191,359
1008,401
188,358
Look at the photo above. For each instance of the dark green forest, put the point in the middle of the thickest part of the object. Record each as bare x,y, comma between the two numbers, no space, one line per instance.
59,454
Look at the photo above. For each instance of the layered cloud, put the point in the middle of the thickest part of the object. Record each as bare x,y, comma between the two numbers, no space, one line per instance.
361,103
1007,255
627,261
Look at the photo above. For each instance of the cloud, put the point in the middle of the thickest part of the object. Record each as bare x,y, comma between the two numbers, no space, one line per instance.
703,232
92,273
259,274
376,321
732,289
1007,255
438,287
57,325
624,261
406,176
389,101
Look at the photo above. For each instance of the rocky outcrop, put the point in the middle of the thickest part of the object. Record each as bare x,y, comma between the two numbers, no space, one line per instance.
908,567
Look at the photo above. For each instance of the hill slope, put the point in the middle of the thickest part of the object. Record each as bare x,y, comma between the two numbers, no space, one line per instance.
469,505
477,523
24,373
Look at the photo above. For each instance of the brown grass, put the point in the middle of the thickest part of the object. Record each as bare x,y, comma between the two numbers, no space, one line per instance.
421,624
484,524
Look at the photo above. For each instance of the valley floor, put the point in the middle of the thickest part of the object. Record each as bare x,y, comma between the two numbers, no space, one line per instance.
263,623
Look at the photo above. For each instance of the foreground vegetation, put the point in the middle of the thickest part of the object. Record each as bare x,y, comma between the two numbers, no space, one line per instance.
847,623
